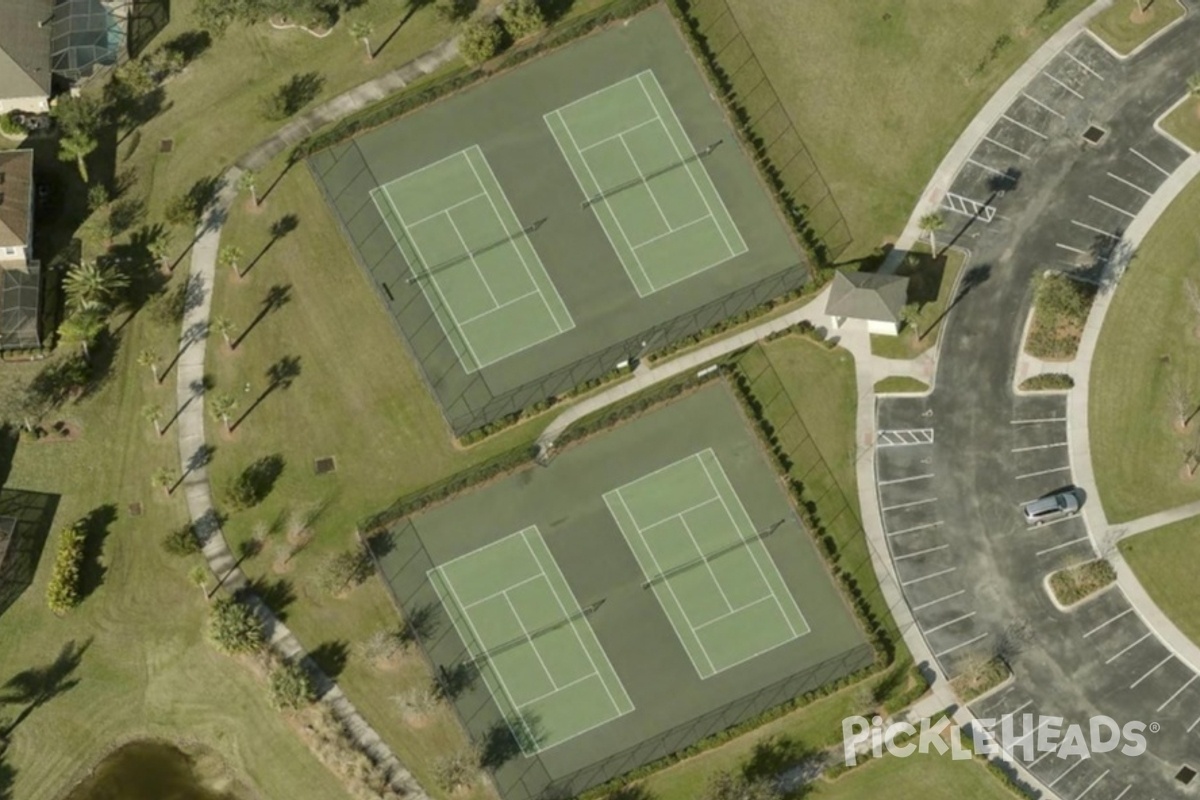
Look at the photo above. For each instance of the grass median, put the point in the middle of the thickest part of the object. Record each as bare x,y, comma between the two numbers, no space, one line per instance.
1126,24
1184,122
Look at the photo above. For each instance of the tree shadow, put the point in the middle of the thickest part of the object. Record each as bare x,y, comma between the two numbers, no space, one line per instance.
276,298
774,755
279,229
451,682
36,686
419,623
276,594
280,375
95,528
630,791
189,45
299,90
8,775
413,7
502,744
974,278
260,477
555,10
331,657
201,457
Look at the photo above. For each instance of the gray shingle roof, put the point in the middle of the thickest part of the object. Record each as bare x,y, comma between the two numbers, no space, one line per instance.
25,47
866,295
16,194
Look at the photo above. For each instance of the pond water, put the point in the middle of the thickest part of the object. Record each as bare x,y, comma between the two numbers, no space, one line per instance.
146,771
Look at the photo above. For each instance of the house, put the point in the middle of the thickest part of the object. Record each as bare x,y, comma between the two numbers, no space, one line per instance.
20,272
877,299
25,75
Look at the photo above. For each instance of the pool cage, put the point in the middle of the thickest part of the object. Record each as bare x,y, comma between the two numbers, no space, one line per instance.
86,35
20,291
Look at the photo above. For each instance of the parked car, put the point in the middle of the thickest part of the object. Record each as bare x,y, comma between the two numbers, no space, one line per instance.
1051,507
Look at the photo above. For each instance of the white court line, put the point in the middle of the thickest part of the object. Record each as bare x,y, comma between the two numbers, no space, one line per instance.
673,517
1193,725
917,528
959,646
1107,622
649,190
1094,229
1097,75
910,505
1006,147
672,230
494,595
992,170
1107,204
1035,101
499,306
1151,163
1043,472
905,480
1178,692
939,600
921,552
1020,124
1041,553
619,134
1092,785
1153,670
1063,85
1066,772
553,692
951,622
733,611
1068,248
1039,447
1035,420
529,639
928,577
446,210
475,264
1130,184
1129,647
708,566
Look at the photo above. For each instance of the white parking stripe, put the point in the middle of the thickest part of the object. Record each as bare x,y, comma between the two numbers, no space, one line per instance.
906,480
1178,692
992,170
910,505
1094,229
1043,472
1130,184
1107,622
951,622
917,528
1037,102
1059,546
939,600
1085,66
1153,670
1128,647
1063,85
929,577
1039,447
960,646
1020,124
1148,161
1107,204
1193,725
1033,420
1068,247
1103,775
1124,792
921,552
1066,772
1006,147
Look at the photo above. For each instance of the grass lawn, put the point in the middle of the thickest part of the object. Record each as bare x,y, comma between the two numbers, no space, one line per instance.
146,669
900,384
930,777
943,62
1124,25
930,285
1162,559
1184,122
1148,343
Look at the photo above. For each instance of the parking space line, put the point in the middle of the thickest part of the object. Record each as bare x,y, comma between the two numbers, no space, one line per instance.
1091,785
1041,472
1148,161
1193,725
1037,102
1066,772
1129,647
910,505
960,646
1034,420
1107,204
1006,147
1153,670
1015,711
1124,792
929,577
951,622
1039,447
1060,83
1068,248
983,166
1094,229
939,600
1038,760
915,529
906,480
1130,184
1020,124
1178,692
1058,546
1085,66
1107,622
921,552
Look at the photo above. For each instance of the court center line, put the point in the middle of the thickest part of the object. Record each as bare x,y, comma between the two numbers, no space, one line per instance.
927,526
929,577
1107,622
528,638
943,599
1148,161
474,263
1178,692
1041,472
936,628
960,646
1063,85
909,505
1037,102
708,565
1094,229
553,692
1020,124
1152,670
494,595
446,210
1097,75
1061,546
619,134
1128,647
499,306
646,183
1006,147
921,552
1039,447
672,231
1130,184
673,517
905,480
1107,204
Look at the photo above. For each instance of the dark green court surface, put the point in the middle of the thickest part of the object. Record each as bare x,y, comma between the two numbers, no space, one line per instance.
535,231
650,587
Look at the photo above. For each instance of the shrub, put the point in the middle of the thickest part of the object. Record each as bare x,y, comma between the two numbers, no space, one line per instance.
181,541
62,593
240,492
233,627
290,686
1061,306
344,570
382,646
480,40
522,18
10,125
978,676
453,10
1049,381
1073,584
456,770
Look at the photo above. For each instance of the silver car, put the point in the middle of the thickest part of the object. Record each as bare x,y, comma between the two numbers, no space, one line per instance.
1051,507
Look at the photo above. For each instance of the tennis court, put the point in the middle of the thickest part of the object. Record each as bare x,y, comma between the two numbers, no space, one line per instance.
472,258
706,562
646,182
530,640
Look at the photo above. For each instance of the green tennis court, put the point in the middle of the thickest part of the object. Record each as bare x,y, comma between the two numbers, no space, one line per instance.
472,258
531,641
706,562
646,182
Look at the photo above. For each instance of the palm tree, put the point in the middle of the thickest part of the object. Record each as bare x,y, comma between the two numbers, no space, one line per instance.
76,147
199,576
154,414
222,407
92,286
225,327
229,256
246,182
149,358
159,248
81,328
931,224
362,30
163,478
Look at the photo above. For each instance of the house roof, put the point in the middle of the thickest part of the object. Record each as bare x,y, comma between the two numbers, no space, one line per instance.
867,295
25,47
16,195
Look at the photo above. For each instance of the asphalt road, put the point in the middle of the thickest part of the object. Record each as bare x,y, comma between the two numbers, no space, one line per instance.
954,468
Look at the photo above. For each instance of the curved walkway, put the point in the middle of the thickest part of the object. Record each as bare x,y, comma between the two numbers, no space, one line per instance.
193,449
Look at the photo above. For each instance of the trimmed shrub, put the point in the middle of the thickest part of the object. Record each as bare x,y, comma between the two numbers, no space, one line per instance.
522,18
10,126
1073,584
181,541
62,593
480,40
233,627
290,686
1049,381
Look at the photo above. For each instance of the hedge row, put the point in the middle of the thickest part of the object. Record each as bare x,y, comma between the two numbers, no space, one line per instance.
62,593
1048,381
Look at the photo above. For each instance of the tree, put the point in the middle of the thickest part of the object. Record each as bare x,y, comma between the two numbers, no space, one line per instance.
181,541
931,224
98,197
736,786
480,40
231,256
344,570
62,593
233,627
79,115
153,414
199,576
227,329
291,686
163,478
454,10
361,31
222,407
149,358
81,328
76,147
523,17
247,182
159,248
93,286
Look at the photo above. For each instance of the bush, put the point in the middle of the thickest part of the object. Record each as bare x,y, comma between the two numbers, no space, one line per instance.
62,593
1075,583
240,492
344,570
1049,381
10,126
382,646
290,686
233,627
1061,306
978,676
454,10
181,541
522,18
480,40
456,770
